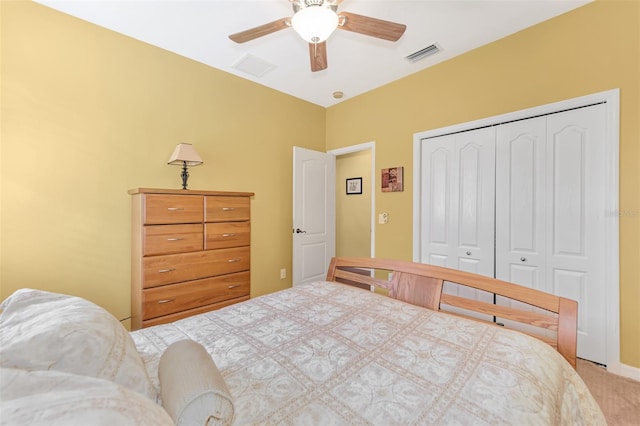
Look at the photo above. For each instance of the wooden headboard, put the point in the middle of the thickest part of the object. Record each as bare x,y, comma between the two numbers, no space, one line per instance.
555,322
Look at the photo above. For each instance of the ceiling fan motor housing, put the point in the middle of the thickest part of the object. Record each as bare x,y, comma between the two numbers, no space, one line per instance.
302,4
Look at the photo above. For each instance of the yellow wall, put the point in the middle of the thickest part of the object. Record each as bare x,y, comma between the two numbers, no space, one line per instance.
591,49
88,114
353,212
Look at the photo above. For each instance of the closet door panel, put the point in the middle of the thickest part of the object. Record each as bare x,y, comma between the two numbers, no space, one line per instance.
472,211
520,202
520,209
575,196
472,195
437,242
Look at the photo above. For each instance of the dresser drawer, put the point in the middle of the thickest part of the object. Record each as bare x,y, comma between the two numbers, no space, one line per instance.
174,298
166,239
173,268
223,209
162,209
199,310
226,234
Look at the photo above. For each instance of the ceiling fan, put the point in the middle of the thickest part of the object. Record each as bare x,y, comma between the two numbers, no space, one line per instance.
315,21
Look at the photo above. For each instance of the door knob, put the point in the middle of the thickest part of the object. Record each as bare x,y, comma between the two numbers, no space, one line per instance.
523,259
468,253
299,231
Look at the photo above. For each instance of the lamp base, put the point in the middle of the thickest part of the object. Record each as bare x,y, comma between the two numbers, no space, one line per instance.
184,175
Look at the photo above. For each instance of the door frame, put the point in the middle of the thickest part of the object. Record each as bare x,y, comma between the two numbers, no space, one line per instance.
611,98
363,147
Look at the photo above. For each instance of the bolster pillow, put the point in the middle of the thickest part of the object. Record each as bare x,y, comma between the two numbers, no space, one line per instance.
193,390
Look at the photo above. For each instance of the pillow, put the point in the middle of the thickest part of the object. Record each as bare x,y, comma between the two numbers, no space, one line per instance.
54,397
191,387
48,331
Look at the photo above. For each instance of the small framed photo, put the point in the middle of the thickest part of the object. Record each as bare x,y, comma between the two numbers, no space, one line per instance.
354,186
392,179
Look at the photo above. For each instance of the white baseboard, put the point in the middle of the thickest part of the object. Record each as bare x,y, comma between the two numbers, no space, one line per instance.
625,371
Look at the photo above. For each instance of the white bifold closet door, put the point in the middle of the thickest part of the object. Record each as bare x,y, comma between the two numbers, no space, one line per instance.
550,213
459,182
521,209
523,202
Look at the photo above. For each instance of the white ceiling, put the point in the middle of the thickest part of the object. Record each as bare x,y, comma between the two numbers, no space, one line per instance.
199,29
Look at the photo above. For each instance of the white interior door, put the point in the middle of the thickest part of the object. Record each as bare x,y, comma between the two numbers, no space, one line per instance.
473,195
549,215
576,220
458,203
557,190
520,203
458,206
521,209
438,245
313,214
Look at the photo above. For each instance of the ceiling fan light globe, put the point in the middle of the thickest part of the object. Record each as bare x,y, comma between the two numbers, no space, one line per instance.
315,23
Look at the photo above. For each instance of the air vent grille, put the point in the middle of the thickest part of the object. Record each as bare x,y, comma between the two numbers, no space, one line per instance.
253,65
423,53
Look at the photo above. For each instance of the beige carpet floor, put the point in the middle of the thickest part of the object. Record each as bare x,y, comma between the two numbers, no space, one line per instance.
618,397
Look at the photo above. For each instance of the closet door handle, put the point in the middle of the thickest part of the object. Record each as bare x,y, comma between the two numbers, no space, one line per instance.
523,259
468,253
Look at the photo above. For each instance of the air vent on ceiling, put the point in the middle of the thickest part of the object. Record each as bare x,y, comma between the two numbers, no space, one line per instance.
423,53
253,65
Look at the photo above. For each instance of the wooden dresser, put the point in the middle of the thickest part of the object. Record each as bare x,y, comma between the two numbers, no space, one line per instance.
190,253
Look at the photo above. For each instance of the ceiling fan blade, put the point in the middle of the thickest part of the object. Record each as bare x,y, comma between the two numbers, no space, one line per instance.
318,56
262,30
372,27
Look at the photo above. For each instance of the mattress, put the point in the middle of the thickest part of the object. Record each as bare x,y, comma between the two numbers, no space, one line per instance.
331,354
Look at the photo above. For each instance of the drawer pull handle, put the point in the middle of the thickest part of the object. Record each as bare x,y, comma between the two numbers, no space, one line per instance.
227,209
173,209
175,239
228,235
234,286
166,301
162,271
233,260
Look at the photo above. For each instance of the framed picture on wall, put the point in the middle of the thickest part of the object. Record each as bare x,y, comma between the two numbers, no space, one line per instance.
354,186
392,179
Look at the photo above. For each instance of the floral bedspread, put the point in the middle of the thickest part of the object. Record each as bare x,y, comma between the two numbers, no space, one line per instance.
331,354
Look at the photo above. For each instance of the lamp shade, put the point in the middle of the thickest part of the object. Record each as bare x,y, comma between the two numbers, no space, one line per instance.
315,23
185,153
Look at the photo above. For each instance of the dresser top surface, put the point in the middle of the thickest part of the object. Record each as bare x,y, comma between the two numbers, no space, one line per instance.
135,191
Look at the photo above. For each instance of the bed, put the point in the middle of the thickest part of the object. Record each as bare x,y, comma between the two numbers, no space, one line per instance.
370,345
332,353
